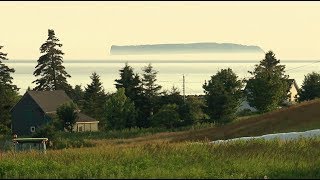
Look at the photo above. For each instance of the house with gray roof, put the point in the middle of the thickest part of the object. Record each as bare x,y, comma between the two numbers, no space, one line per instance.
36,108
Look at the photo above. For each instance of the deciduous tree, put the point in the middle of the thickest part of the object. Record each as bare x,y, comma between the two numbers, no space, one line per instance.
120,111
68,114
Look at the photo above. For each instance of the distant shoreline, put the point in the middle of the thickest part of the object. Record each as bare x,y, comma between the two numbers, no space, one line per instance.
162,61
182,48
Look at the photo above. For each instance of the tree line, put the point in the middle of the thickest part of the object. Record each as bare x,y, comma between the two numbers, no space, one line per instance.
140,102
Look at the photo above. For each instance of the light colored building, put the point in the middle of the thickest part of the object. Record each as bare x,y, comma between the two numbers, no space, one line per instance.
85,123
293,91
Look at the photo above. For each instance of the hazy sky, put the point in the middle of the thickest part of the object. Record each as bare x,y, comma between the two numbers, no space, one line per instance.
88,29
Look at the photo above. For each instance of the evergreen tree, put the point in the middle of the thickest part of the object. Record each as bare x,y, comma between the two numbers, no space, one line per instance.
310,88
5,73
120,111
150,93
150,89
130,82
222,95
133,89
78,95
50,69
268,87
170,97
8,94
94,98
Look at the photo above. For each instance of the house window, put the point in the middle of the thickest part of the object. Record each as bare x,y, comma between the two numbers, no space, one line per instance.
80,129
33,129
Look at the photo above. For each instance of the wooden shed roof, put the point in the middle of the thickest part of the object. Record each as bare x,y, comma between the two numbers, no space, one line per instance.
84,118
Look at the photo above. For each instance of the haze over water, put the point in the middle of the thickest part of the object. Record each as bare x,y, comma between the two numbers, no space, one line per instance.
170,70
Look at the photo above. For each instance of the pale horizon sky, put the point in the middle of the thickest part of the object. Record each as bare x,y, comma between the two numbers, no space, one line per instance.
88,29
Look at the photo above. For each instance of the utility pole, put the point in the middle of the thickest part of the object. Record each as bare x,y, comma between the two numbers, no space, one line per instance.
184,90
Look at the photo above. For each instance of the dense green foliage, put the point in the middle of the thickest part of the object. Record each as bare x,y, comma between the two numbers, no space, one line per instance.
130,82
50,69
94,98
254,159
192,112
77,96
167,117
223,94
67,114
120,111
310,87
8,94
132,85
150,93
5,73
268,88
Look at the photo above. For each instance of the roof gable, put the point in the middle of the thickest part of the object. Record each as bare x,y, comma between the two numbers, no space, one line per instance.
292,82
84,118
49,101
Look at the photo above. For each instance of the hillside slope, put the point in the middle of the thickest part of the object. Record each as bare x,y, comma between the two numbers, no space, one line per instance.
300,117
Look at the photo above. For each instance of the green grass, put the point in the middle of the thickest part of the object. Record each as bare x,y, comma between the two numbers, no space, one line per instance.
77,140
253,159
128,133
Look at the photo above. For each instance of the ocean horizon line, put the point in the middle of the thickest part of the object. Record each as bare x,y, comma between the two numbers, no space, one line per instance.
157,61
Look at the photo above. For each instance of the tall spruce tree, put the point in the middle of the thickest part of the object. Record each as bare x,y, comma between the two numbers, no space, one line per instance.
268,87
132,85
130,82
8,93
150,88
50,69
150,92
94,98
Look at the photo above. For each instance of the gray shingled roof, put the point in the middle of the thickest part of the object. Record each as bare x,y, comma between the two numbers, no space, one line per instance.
84,118
49,101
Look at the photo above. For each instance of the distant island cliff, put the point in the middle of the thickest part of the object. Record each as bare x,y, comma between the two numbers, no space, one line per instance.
184,48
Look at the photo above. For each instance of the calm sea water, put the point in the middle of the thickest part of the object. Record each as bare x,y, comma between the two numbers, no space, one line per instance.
169,73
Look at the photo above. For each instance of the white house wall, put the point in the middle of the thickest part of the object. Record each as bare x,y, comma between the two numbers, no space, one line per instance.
86,126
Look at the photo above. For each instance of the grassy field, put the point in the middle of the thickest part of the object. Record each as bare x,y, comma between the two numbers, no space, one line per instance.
254,159
151,153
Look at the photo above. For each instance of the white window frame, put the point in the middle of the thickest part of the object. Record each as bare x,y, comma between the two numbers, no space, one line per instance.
33,129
